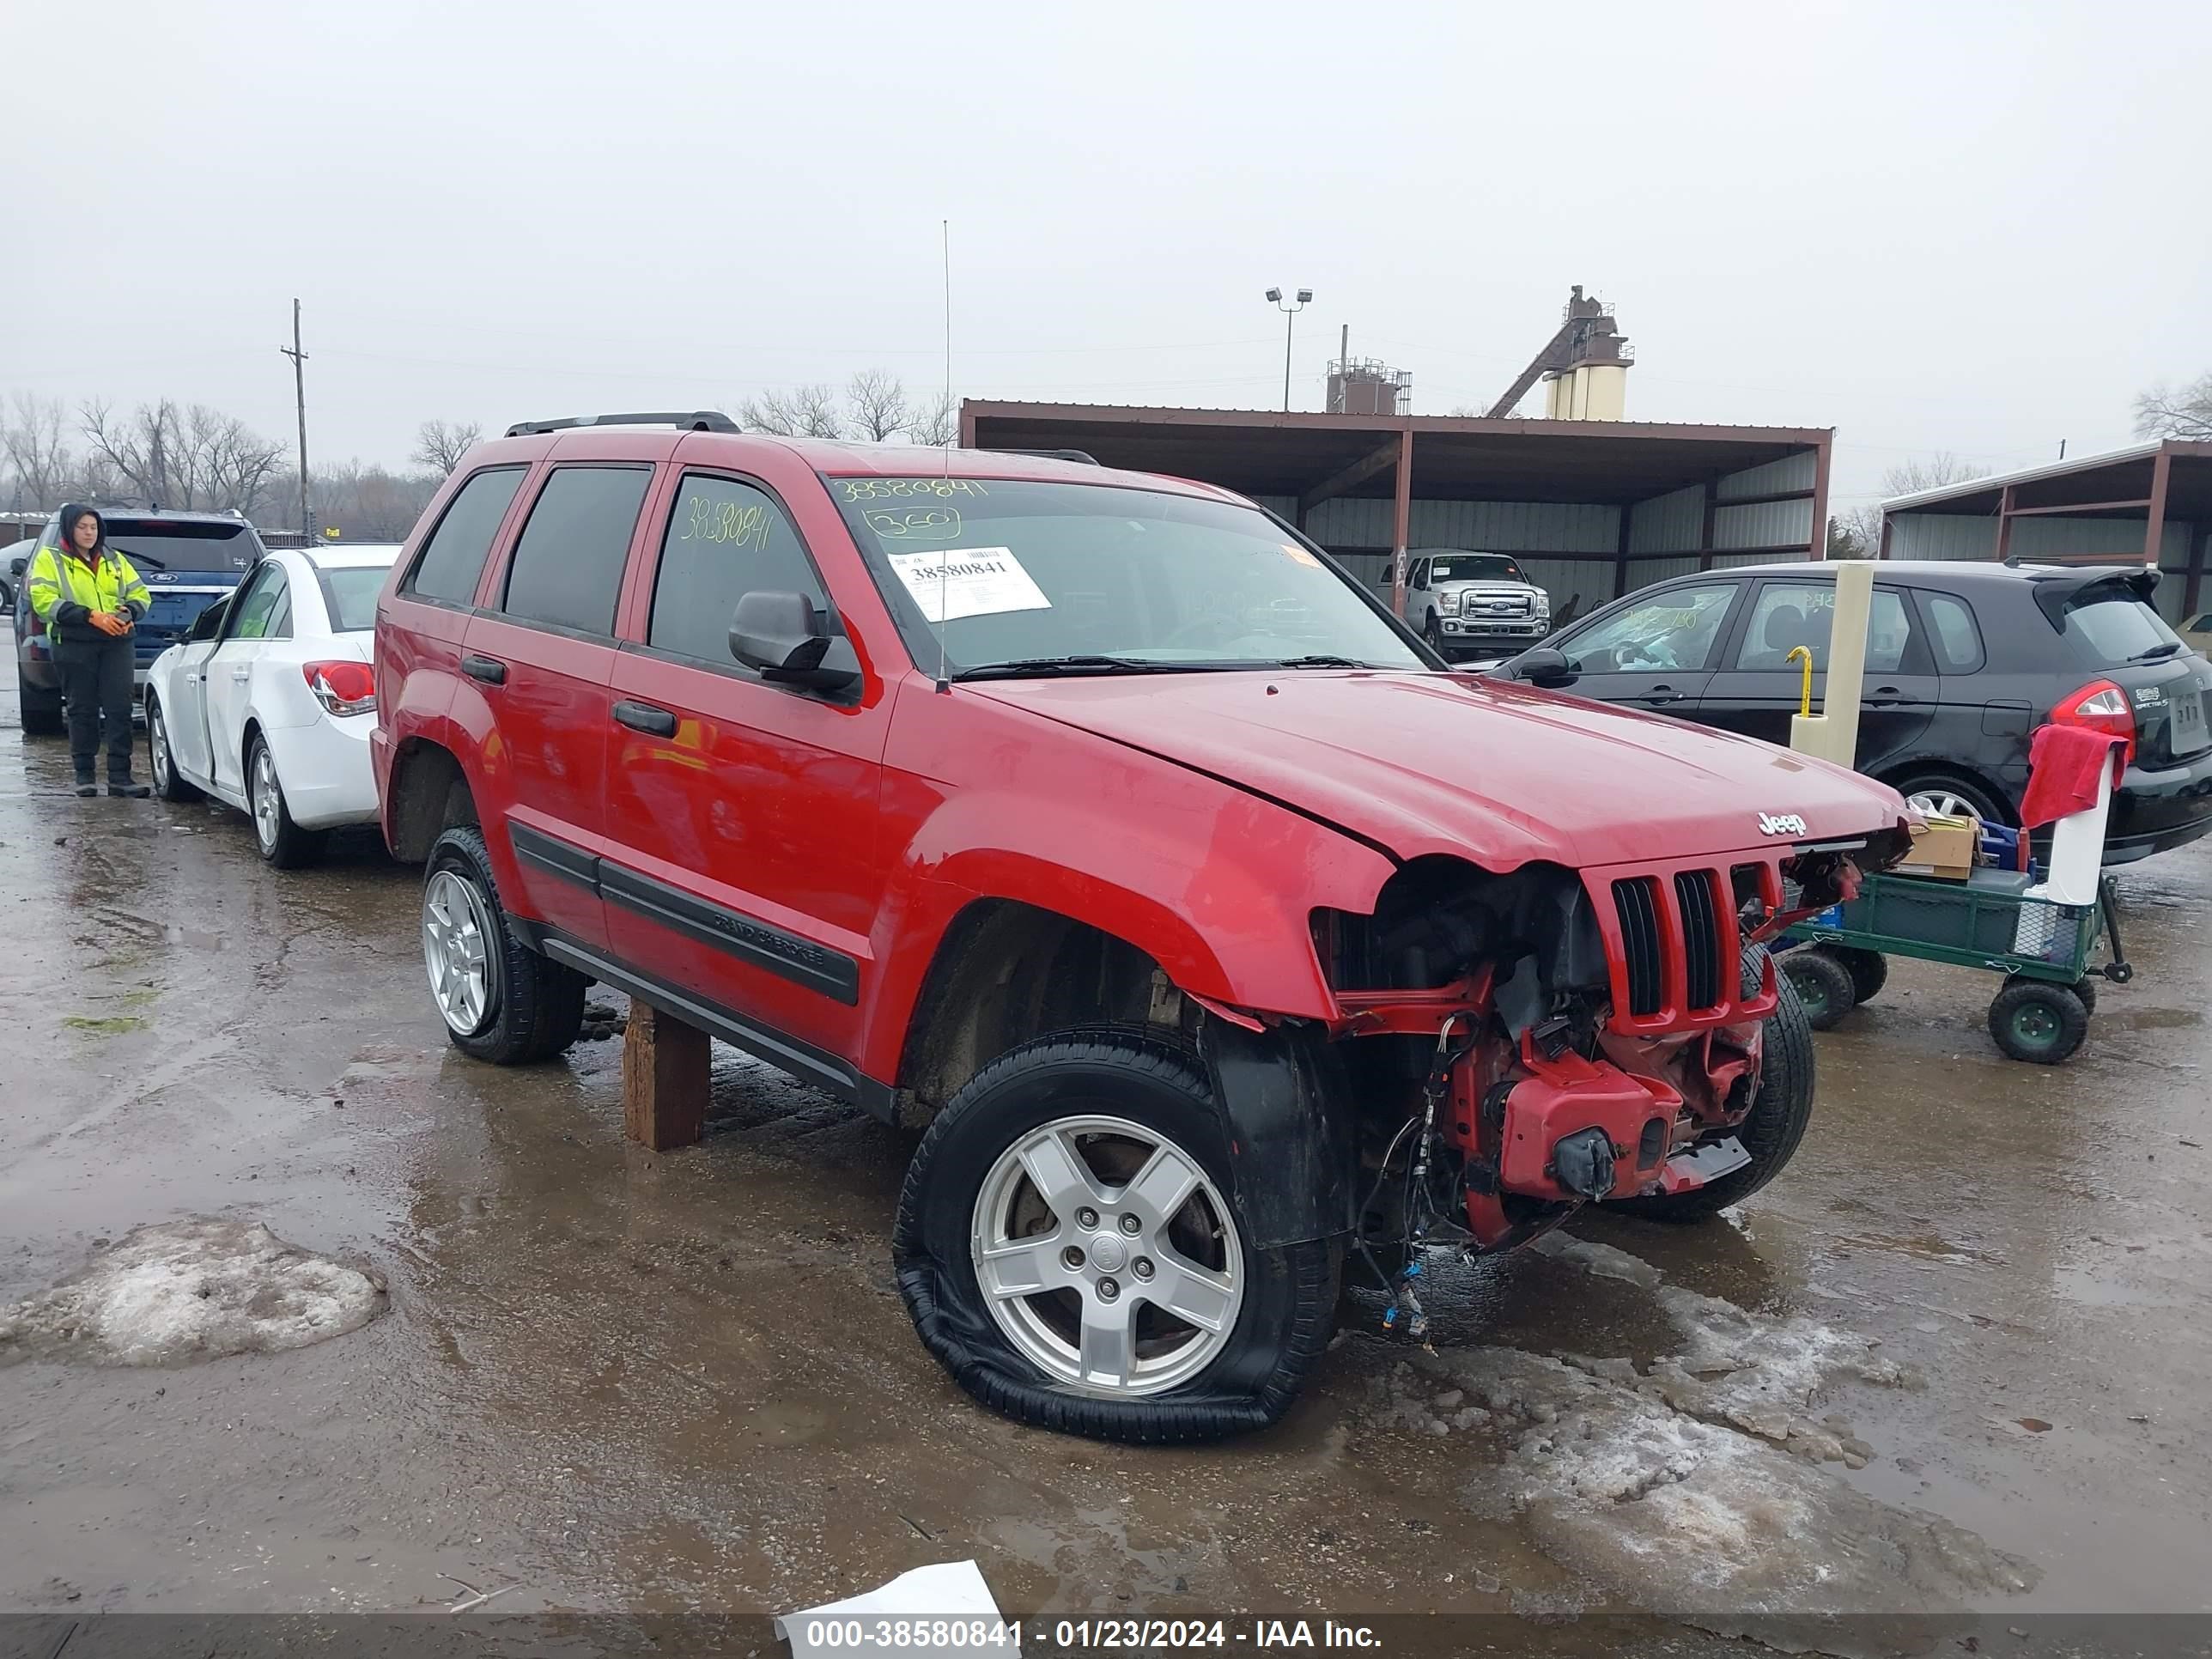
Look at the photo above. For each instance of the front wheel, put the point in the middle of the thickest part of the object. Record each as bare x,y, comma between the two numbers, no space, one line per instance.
1771,1130
501,1001
2038,1022
1067,1249
160,760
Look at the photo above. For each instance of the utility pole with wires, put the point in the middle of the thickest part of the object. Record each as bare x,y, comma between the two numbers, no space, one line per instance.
300,398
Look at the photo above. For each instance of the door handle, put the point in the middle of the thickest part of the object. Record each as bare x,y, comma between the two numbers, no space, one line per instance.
241,675
1659,694
487,669
1888,697
644,717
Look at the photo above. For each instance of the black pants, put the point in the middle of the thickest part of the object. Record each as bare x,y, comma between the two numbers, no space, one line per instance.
96,679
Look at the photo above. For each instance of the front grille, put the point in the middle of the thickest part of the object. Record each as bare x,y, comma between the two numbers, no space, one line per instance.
1701,937
1636,901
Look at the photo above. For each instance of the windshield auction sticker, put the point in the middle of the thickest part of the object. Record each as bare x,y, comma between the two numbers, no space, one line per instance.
968,581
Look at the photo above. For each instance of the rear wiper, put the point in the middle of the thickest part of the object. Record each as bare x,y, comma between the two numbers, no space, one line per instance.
149,559
2156,652
1321,661
1022,668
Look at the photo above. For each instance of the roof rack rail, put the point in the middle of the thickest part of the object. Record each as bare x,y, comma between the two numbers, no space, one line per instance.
698,420
1078,455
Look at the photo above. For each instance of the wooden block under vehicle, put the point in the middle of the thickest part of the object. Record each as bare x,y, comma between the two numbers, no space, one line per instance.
665,1079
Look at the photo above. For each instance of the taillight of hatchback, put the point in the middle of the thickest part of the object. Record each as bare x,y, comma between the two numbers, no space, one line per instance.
342,688
2102,707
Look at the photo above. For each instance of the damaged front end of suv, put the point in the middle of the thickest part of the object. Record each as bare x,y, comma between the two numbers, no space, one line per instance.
1523,1044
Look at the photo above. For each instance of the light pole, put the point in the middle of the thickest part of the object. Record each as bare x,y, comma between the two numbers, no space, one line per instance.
1290,321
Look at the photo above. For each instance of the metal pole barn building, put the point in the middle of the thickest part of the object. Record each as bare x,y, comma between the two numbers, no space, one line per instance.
1594,508
2149,504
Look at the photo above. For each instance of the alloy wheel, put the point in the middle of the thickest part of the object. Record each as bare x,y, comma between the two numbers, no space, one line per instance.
157,741
456,951
268,798
1107,1257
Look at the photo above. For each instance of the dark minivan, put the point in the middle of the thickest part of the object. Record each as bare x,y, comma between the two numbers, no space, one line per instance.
1963,662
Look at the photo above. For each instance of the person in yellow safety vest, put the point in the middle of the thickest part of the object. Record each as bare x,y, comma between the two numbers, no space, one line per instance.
89,599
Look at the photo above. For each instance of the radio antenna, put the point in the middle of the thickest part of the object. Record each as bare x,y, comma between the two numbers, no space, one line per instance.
945,238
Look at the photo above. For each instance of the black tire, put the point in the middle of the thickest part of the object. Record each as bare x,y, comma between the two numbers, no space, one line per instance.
1434,633
1824,985
1771,1130
2087,990
1990,807
41,710
2037,1022
1284,1321
1869,969
282,843
533,1008
160,762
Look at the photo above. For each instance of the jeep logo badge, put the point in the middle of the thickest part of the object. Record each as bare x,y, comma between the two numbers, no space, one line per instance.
1788,825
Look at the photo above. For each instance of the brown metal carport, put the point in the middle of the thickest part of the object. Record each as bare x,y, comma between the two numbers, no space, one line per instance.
1599,507
2151,503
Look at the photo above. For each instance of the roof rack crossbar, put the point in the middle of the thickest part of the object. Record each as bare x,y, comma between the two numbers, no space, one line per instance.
698,420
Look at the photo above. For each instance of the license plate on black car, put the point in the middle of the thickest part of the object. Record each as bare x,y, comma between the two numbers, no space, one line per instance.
2187,717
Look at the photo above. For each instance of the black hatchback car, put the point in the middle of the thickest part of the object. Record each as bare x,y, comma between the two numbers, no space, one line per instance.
1963,662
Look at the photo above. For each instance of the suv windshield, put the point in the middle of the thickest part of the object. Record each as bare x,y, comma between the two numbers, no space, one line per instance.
2109,622
1475,567
1036,573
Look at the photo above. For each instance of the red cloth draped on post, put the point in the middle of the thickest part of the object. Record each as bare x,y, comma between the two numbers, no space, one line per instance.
2062,780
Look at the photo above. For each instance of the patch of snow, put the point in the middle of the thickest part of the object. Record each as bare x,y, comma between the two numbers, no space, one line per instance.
188,1291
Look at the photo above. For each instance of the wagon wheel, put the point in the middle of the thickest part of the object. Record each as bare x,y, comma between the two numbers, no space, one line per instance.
2038,1022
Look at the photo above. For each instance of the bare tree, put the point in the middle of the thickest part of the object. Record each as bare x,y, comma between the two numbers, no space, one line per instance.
37,454
440,447
364,503
139,445
876,401
805,411
2186,414
1932,472
936,422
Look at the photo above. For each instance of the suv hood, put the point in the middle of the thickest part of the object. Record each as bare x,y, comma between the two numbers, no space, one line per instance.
1493,771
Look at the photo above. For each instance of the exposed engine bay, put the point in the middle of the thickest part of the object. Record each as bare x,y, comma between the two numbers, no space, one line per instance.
1538,1041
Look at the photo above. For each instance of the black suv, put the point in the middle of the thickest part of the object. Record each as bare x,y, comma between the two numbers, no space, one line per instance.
1964,661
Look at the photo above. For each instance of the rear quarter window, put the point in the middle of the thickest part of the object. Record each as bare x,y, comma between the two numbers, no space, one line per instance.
1952,631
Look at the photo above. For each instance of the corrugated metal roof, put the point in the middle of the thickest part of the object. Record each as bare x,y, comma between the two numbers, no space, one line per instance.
2026,474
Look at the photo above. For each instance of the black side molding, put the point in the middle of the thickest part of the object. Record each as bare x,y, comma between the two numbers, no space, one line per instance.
747,939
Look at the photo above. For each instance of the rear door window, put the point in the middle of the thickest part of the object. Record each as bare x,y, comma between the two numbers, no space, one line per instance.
567,565
1791,614
725,539
1674,630
2110,625
257,606
453,558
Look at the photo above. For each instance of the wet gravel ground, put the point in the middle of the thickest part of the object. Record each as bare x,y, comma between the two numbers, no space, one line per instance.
1955,1357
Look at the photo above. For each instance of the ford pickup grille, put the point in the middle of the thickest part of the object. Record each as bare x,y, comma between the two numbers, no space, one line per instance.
1675,943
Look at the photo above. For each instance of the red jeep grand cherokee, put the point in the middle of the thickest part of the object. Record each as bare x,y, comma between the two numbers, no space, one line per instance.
1068,812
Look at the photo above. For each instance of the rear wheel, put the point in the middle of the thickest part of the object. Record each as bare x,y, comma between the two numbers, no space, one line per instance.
42,709
2038,1022
1775,1125
1823,984
283,842
1869,969
1067,1251
1945,793
160,761
501,1001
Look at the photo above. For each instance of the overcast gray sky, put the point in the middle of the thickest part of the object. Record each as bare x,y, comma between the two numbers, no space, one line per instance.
1978,227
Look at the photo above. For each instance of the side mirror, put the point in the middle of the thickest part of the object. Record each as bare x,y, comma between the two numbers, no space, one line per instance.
785,638
1547,667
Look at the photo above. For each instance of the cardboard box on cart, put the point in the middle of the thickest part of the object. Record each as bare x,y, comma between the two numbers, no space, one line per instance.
1944,847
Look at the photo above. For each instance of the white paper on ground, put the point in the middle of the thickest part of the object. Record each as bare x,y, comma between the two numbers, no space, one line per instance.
968,581
950,1590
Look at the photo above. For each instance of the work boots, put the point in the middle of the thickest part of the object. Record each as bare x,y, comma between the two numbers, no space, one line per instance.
134,791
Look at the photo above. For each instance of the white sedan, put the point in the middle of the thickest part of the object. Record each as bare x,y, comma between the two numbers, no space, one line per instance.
269,704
